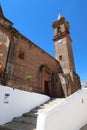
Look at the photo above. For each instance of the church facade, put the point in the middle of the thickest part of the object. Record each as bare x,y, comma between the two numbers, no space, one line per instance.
26,66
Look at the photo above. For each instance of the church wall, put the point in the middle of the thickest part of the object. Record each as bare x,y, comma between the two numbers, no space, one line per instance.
26,66
29,66
4,48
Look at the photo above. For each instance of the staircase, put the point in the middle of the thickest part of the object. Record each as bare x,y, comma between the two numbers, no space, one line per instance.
28,121
84,127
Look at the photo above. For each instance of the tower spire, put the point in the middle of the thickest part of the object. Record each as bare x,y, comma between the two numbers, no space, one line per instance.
59,16
1,12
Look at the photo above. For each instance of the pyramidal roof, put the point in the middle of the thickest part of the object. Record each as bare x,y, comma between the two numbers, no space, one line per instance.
1,12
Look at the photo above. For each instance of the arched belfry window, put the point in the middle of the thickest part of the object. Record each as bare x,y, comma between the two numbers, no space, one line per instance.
59,29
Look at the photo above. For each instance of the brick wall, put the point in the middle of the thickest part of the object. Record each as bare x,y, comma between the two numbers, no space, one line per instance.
30,65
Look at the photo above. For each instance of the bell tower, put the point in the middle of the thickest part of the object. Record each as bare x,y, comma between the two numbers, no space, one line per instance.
62,44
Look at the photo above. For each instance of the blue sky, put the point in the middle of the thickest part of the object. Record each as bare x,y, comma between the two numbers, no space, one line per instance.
34,18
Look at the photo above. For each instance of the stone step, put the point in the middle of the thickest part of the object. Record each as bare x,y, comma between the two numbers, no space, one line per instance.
84,127
4,128
30,114
38,111
26,120
17,126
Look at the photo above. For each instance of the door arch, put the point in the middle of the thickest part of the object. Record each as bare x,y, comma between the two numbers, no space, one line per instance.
45,80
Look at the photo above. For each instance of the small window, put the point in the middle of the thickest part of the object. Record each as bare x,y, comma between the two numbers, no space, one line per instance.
60,57
59,29
21,55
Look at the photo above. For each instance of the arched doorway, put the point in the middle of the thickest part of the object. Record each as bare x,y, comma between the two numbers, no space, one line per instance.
45,80
47,88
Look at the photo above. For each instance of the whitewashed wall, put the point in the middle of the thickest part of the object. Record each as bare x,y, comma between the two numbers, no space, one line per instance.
14,103
70,115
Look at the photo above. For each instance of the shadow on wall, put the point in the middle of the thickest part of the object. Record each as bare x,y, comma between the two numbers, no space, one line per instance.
14,103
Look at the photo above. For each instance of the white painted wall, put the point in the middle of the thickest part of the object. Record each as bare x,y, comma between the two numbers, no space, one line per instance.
70,115
17,103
